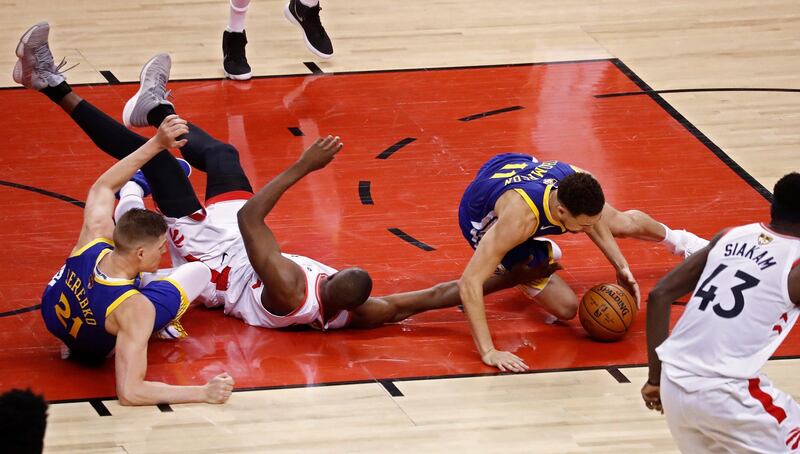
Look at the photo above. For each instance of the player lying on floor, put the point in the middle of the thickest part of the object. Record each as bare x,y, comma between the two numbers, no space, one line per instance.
95,303
251,279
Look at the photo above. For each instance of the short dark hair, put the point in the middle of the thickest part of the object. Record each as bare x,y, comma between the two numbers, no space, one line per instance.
786,199
138,226
350,288
23,420
580,193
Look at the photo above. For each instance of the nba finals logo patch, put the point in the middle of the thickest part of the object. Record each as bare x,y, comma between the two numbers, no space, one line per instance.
764,239
549,181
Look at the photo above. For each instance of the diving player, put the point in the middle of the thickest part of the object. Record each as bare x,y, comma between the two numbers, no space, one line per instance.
94,304
706,376
516,199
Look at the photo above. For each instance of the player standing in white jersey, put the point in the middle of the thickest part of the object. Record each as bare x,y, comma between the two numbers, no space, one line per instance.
746,293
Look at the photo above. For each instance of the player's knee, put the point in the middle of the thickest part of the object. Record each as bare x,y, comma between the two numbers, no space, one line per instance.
228,151
567,310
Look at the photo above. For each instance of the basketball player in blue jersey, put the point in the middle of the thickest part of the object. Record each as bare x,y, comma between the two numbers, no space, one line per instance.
514,201
96,304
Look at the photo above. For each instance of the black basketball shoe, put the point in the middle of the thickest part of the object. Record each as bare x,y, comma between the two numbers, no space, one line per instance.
314,35
234,59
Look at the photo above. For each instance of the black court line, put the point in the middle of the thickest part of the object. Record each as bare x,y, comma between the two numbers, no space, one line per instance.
490,113
417,378
390,387
110,77
618,375
296,131
20,311
696,90
100,407
692,129
364,193
313,67
410,239
52,194
391,150
165,408
368,71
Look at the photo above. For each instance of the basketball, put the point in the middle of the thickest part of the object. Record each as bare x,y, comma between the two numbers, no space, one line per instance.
607,311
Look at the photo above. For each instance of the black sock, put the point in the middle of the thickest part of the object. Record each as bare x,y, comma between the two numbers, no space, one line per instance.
57,93
172,191
159,113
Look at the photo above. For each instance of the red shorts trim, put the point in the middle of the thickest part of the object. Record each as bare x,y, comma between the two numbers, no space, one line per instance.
766,400
226,196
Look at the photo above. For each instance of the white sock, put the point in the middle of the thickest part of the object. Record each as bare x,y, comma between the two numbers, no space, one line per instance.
130,196
310,3
671,239
237,16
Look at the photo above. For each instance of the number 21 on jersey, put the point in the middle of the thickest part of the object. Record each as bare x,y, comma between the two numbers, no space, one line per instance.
63,312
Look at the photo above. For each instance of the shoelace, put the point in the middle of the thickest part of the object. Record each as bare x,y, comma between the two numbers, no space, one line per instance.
159,90
45,63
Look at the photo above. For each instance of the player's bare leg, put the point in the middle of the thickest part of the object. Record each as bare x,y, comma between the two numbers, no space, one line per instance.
558,299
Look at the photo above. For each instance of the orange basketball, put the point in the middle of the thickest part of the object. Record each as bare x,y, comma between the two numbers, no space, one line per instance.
607,311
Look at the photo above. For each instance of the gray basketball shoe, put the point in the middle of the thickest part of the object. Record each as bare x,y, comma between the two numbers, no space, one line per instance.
152,91
35,67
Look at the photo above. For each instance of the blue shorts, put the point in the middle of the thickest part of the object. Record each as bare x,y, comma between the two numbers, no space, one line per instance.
168,298
540,251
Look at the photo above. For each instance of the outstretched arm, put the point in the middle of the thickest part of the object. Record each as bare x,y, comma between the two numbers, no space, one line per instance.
134,318
514,225
380,310
600,234
677,283
98,214
282,277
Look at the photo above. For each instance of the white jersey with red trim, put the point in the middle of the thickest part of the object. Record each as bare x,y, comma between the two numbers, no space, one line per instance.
738,314
249,308
212,236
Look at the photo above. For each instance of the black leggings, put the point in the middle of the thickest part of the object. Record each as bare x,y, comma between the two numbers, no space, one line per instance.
172,191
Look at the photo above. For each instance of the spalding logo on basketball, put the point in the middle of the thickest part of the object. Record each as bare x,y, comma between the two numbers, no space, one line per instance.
607,311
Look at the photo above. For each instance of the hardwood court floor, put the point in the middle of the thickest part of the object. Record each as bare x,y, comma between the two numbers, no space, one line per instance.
644,156
558,412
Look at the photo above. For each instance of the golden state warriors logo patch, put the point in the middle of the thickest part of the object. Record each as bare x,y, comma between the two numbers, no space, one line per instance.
764,239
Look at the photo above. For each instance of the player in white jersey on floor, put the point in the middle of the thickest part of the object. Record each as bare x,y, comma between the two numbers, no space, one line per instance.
746,293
